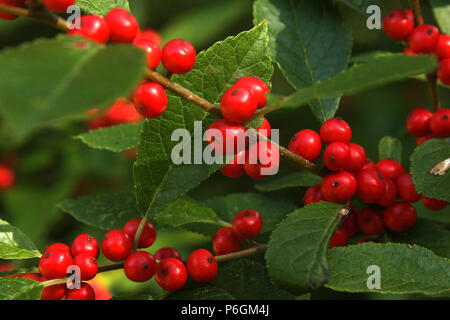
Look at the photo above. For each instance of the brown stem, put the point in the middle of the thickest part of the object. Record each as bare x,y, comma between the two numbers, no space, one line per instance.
110,267
242,253
433,89
415,7
40,14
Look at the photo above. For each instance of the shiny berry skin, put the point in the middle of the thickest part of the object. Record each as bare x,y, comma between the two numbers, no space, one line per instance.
247,224
400,216
152,49
150,100
406,189
178,56
165,253
149,34
58,5
7,178
339,238
433,204
336,156
92,27
88,265
369,165
148,234
202,266
390,193
313,194
399,24
171,274
351,222
390,168
357,158
54,263
55,292
122,112
418,121
443,47
85,243
13,3
225,241
122,25
57,246
235,168
225,137
264,128
370,186
117,245
443,72
263,160
338,187
370,220
86,292
140,266
307,144
335,129
424,39
440,123
238,104
258,89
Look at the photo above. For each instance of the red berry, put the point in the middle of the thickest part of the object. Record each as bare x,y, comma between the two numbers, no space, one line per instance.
122,25
140,266
335,130
226,137
417,122
97,123
54,263
307,144
263,160
370,220
122,112
92,27
339,238
258,89
443,72
85,243
55,292
350,224
424,39
150,100
440,123
7,178
338,187
57,246
202,266
370,186
87,264
400,216
336,156
238,104
390,168
247,224
165,253
171,274
399,24
14,3
149,34
421,140
409,51
313,194
235,168
148,234
433,204
58,5
264,128
117,245
178,56
390,193
406,189
152,49
369,165
443,47
225,241
84,293
357,159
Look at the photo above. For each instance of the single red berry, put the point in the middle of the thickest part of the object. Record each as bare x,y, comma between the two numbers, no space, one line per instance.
313,194
409,51
87,264
55,292
443,47
122,25
357,159
338,187
390,168
418,121
122,112
336,156
443,72
152,49
57,246
339,238
247,224
424,39
140,266
54,263
86,292
264,128
398,24
226,137
85,243
433,204
440,123
351,222
171,274
117,245
238,104
371,186
421,140
150,100
97,123
225,241
148,234
165,253
370,220
7,178
13,3
258,89
178,56
58,5
369,165
335,130
262,160
92,27
390,193
150,34
235,168
307,144
202,266
406,189
400,216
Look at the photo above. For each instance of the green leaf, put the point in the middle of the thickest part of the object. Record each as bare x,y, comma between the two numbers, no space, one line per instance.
116,139
296,179
101,7
20,289
359,5
296,257
103,211
158,180
390,148
404,269
441,10
14,244
424,158
310,43
73,75
201,293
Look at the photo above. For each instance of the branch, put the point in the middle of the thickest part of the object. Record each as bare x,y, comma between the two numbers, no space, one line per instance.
242,253
40,14
415,7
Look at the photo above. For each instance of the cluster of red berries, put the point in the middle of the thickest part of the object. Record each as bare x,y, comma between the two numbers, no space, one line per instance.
423,39
120,112
7,177
424,124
